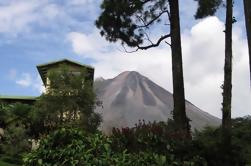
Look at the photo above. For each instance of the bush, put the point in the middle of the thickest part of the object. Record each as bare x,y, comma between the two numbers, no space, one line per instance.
146,144
153,137
160,138
210,147
242,136
14,120
73,147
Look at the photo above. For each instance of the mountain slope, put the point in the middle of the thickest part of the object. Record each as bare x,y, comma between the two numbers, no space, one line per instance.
130,97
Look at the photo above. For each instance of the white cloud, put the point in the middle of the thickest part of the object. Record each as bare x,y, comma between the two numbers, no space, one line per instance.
17,16
27,81
80,2
87,45
51,11
20,16
203,59
204,62
38,85
81,43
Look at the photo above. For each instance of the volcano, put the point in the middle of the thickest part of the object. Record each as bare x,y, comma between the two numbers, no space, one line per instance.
130,97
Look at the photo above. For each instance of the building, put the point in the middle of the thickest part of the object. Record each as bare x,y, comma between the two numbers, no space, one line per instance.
43,70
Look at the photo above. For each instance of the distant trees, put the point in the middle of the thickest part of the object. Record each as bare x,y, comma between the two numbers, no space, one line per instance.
130,21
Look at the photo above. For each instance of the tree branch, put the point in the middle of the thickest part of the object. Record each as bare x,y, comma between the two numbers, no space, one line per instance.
154,19
148,38
168,43
125,50
154,45
129,51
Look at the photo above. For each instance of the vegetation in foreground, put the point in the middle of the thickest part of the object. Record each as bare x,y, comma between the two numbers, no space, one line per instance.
151,143
146,144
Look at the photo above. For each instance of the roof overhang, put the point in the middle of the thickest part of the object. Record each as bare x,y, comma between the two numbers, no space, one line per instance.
20,99
43,68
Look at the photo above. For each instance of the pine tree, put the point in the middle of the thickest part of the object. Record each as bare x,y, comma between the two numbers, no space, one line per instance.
209,7
129,21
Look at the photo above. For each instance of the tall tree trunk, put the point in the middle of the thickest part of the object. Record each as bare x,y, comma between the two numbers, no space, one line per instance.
247,9
179,112
227,87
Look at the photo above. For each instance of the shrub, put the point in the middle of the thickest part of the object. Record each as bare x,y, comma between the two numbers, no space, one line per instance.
15,143
14,121
73,147
158,138
242,136
145,144
211,148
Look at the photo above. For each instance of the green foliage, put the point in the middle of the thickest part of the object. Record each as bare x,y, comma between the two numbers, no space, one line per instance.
4,115
150,158
15,123
207,8
157,138
69,101
74,147
205,148
17,114
212,149
129,21
3,163
15,141
146,144
241,136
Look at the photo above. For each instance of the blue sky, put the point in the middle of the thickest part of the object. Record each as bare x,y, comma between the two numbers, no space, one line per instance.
38,31
34,32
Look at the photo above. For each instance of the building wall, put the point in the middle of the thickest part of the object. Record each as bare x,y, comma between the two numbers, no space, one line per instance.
74,69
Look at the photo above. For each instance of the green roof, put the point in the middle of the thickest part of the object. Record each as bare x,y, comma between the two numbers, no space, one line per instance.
17,97
42,68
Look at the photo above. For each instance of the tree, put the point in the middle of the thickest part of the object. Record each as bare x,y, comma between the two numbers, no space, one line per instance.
69,101
209,7
130,22
227,86
15,124
16,114
247,9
